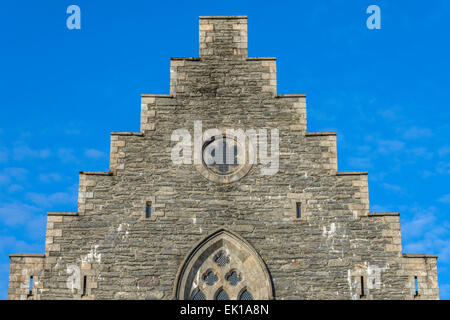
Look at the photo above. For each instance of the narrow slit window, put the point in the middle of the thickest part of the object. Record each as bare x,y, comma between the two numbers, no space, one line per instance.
31,286
148,210
416,286
298,210
362,288
84,285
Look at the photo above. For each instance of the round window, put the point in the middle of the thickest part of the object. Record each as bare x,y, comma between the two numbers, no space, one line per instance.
225,159
221,156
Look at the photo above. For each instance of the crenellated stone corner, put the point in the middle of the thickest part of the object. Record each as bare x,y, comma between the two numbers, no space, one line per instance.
391,235
22,268
295,103
359,204
117,153
424,268
326,141
223,37
150,110
87,182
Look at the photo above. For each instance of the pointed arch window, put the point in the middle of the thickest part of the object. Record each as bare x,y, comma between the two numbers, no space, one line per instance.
224,267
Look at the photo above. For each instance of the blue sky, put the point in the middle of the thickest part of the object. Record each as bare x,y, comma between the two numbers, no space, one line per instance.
385,92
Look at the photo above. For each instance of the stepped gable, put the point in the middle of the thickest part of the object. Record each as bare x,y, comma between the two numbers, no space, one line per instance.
151,229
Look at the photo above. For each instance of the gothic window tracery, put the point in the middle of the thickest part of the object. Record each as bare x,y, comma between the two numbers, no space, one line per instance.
224,269
217,278
233,278
221,259
210,278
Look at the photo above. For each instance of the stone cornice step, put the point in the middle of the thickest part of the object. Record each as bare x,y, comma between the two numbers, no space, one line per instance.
383,214
294,95
96,173
419,255
70,214
138,134
27,255
352,173
222,17
318,134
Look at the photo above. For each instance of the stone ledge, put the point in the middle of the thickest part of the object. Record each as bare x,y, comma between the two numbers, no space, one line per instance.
261,58
185,58
419,255
352,173
222,17
27,255
318,134
138,134
383,214
70,214
295,95
96,173
156,95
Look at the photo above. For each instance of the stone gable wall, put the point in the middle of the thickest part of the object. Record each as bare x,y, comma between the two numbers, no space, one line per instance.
125,255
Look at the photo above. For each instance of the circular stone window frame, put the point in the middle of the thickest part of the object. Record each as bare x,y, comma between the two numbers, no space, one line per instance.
241,172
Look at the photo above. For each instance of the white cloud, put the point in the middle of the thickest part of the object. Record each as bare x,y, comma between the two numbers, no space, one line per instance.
18,246
427,174
12,214
417,247
393,113
66,155
17,173
73,131
444,151
443,167
444,289
417,132
15,188
50,177
4,179
94,154
23,152
426,233
419,224
9,174
420,153
45,200
387,146
378,208
3,155
388,114
445,198
377,176
392,187
360,162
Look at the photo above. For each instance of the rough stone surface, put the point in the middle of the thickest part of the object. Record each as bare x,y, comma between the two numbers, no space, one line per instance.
110,250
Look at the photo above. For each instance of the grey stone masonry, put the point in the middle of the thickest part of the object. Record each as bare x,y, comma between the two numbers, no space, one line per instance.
151,229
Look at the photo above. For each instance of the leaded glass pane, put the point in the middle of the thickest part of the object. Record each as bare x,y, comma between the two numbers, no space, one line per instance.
221,156
210,278
221,259
246,296
234,278
198,295
222,295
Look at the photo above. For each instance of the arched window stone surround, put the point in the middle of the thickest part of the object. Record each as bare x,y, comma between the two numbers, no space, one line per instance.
246,155
208,256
